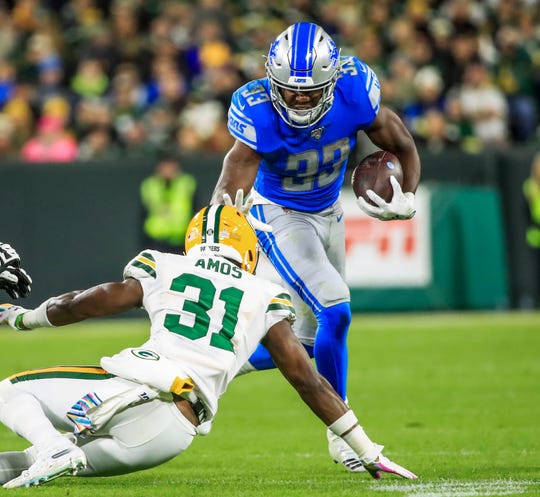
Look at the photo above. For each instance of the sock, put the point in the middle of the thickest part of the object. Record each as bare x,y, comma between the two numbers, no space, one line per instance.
330,349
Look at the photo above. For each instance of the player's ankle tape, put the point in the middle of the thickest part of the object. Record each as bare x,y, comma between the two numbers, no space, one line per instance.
344,424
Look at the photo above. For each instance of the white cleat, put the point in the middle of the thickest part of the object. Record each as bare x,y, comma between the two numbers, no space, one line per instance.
55,462
375,463
342,454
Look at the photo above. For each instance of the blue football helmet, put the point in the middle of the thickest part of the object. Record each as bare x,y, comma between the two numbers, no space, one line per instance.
303,58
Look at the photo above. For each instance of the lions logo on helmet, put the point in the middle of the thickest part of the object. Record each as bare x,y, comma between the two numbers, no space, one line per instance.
303,58
225,231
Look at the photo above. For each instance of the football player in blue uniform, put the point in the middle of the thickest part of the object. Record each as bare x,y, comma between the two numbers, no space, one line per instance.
294,131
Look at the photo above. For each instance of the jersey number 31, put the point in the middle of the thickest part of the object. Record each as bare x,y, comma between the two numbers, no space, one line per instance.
201,309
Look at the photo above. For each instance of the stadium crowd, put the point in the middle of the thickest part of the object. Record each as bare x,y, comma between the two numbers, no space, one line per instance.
93,79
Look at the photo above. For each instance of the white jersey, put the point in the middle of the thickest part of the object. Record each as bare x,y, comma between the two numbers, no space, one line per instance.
207,315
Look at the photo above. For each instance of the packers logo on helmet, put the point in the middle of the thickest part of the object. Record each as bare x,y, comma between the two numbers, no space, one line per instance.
223,230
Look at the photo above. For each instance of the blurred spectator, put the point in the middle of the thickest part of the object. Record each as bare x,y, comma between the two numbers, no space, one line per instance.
8,149
98,144
428,86
19,111
51,144
133,138
90,79
128,65
484,104
515,76
168,201
92,112
7,81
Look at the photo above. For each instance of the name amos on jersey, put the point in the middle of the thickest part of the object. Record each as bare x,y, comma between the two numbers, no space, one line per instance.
219,266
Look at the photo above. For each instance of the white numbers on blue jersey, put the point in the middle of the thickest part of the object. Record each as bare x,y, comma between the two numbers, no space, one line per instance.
255,95
306,167
349,67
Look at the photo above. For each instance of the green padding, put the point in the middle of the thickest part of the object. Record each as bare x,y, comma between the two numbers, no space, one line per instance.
468,257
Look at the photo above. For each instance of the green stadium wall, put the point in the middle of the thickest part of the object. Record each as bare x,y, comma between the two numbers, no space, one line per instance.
78,224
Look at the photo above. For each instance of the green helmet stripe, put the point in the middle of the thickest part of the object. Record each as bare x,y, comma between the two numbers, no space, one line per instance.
217,223
211,222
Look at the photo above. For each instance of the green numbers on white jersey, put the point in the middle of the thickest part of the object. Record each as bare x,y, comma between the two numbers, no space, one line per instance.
308,162
201,310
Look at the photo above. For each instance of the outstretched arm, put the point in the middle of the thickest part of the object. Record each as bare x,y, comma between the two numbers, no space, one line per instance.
389,133
101,300
240,167
294,363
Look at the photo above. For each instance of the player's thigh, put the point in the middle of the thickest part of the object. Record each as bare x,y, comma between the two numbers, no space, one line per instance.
59,389
138,438
298,249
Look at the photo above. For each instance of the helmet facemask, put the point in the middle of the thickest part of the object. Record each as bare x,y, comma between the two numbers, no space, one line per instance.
303,58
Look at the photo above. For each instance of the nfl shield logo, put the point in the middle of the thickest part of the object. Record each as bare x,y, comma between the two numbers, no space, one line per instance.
317,133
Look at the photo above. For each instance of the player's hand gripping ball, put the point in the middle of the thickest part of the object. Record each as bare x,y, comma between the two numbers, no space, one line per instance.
374,173
377,182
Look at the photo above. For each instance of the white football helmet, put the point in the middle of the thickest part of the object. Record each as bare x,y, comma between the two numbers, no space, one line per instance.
303,58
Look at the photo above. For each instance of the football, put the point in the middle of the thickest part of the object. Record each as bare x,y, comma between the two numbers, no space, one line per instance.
373,173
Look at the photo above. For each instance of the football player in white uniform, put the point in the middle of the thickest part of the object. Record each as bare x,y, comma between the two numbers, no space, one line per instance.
144,405
13,278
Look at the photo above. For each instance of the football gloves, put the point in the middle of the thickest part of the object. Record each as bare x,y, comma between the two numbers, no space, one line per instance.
244,208
13,278
11,315
400,207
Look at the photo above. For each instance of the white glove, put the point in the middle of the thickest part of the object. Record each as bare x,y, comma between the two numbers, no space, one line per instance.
400,207
8,256
11,315
245,208
13,278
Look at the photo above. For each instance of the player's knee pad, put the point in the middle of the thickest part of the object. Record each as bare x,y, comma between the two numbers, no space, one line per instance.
335,320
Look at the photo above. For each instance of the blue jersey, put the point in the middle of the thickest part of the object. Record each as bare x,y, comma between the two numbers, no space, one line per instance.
304,169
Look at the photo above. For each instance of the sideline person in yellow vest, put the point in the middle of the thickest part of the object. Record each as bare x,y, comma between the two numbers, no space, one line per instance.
168,200
531,189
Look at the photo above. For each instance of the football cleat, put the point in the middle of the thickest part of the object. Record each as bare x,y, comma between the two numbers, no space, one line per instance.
57,461
375,463
342,454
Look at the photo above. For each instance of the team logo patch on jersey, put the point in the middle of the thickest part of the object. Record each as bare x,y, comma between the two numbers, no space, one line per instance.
146,354
317,133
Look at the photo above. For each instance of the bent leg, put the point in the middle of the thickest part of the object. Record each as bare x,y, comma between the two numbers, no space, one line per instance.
138,438
309,253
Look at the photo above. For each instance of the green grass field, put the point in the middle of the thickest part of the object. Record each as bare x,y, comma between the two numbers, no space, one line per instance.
455,398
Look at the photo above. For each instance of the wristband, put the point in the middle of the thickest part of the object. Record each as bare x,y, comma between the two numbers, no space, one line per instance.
36,318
